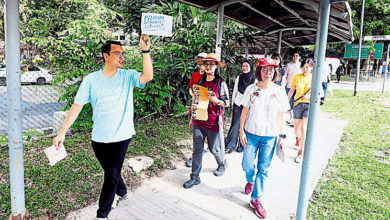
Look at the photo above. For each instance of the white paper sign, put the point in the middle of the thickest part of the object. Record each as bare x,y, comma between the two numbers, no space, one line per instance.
55,155
156,24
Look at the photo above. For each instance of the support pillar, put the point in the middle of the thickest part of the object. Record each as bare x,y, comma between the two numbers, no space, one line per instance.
218,46
306,175
279,42
14,109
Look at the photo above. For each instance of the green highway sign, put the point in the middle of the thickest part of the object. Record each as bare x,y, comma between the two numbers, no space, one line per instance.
352,51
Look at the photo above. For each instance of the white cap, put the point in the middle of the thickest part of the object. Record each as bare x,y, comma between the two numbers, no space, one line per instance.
203,55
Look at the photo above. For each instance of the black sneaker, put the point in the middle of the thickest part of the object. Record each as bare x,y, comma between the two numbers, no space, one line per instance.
189,162
221,169
192,182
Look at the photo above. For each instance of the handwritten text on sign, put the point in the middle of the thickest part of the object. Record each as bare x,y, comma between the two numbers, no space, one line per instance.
156,24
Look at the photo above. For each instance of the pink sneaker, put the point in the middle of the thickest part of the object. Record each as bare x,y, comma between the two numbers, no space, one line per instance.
248,188
259,210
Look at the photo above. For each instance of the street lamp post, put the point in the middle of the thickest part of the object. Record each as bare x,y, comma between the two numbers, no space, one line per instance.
360,48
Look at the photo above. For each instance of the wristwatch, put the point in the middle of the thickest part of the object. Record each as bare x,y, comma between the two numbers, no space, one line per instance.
282,136
145,51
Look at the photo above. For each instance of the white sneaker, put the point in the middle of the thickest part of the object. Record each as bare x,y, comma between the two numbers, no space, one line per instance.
117,199
101,218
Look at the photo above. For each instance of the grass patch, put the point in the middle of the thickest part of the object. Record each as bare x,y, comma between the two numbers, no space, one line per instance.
76,181
343,78
356,182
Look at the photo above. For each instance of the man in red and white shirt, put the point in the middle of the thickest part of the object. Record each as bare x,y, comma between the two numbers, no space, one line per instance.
196,76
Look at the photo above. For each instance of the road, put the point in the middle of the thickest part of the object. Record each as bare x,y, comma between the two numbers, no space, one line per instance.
362,86
38,103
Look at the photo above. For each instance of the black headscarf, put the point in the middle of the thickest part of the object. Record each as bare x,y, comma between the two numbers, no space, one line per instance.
246,78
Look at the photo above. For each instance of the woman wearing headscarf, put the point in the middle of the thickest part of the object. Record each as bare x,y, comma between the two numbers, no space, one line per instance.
219,98
262,122
245,79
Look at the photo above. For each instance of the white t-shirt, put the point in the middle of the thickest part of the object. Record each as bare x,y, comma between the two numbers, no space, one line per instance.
292,69
264,107
326,74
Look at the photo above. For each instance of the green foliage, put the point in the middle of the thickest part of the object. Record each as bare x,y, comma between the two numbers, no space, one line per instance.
69,45
129,13
376,17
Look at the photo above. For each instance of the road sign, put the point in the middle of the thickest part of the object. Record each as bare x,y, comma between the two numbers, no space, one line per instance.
352,50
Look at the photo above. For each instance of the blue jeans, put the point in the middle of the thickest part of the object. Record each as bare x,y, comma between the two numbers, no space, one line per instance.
265,146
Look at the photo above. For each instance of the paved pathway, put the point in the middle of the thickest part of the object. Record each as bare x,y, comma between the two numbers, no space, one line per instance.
222,197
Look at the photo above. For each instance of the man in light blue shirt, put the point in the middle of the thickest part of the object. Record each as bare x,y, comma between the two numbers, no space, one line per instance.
110,91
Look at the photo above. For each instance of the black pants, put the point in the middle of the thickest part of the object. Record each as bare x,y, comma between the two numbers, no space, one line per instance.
110,157
338,77
232,137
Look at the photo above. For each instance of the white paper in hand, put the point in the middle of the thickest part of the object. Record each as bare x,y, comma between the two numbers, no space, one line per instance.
156,24
280,153
55,155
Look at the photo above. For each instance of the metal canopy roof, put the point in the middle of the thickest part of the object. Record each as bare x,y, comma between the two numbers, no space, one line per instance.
297,19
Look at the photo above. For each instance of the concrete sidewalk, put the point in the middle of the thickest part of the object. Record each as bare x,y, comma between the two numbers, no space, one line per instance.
222,197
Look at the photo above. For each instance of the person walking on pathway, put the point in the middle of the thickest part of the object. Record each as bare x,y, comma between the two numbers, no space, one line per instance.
325,81
262,121
195,78
281,73
110,91
292,69
245,79
219,97
301,84
340,72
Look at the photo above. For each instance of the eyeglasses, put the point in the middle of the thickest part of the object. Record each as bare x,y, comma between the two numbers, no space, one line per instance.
266,70
119,54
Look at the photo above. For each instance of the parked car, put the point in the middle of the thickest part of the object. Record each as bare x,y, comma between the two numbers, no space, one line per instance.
30,74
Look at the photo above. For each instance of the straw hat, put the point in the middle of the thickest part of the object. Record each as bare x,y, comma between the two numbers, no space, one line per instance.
212,57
